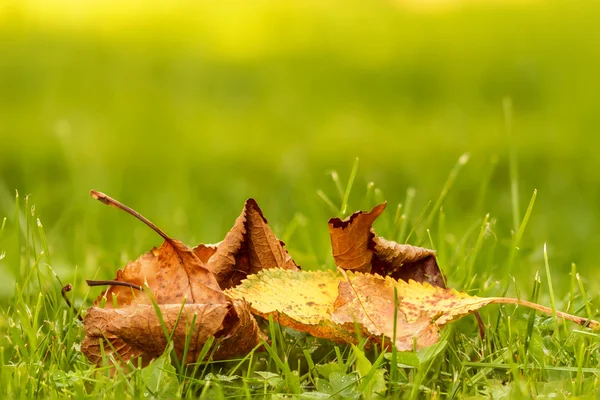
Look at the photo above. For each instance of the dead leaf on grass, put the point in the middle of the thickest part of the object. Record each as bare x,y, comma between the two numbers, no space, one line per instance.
383,290
333,305
302,300
356,247
249,247
175,276
136,331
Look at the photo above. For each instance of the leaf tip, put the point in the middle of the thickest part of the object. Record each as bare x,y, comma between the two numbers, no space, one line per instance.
378,209
251,204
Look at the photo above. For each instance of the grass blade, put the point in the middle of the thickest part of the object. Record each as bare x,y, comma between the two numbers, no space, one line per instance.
344,208
462,160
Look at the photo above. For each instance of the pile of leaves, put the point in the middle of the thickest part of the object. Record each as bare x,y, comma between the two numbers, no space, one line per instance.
391,293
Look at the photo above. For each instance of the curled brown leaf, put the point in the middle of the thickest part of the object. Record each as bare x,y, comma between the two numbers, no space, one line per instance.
249,247
356,247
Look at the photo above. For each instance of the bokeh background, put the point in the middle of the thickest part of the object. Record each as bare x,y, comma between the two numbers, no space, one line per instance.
184,109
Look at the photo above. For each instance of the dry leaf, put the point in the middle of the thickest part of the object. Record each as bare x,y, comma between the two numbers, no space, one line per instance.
249,247
328,304
205,251
389,280
138,273
174,274
422,309
299,300
332,305
136,331
356,247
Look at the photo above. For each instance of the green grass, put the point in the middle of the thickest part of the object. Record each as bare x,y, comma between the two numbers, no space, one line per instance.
185,113
522,354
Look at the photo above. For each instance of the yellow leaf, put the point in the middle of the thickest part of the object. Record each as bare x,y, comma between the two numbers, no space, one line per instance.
300,300
331,305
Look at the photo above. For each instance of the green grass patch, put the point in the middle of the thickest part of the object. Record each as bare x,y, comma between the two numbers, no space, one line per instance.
522,355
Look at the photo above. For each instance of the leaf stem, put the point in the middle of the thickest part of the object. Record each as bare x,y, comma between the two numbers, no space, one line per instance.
114,283
590,323
109,201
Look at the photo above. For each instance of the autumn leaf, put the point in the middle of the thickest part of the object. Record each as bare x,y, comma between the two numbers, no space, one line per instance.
325,304
422,309
136,331
332,305
391,293
173,271
174,275
356,247
205,251
299,300
249,247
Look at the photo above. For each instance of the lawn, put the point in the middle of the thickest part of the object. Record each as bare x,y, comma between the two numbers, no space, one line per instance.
458,113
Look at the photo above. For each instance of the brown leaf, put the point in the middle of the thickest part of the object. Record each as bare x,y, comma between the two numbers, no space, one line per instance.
352,239
174,275
240,333
340,306
136,331
181,275
356,247
249,247
138,272
205,251
172,272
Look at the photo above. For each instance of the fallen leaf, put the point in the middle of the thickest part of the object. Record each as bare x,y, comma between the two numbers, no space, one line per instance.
173,272
391,293
356,247
174,275
205,251
326,305
136,331
333,305
299,300
422,309
139,272
249,247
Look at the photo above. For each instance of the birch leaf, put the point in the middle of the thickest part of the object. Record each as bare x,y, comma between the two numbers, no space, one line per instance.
300,300
333,305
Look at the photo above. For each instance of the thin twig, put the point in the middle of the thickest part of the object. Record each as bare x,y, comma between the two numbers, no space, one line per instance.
589,323
114,283
109,201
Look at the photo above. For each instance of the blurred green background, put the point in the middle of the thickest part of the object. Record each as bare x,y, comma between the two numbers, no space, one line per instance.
183,110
